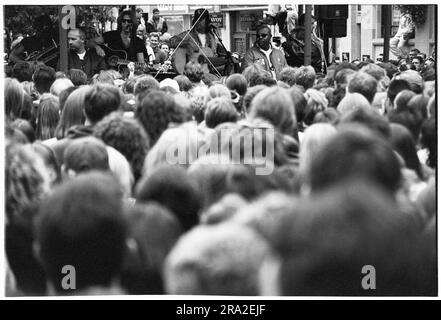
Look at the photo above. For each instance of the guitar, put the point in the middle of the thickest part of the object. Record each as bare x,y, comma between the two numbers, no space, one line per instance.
208,61
117,59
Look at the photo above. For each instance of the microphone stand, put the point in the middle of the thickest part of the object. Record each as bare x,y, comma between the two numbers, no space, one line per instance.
230,62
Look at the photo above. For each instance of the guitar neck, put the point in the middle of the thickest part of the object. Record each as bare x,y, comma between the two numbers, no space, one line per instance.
137,64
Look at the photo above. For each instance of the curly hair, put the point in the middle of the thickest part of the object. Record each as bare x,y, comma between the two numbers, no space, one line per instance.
127,136
156,111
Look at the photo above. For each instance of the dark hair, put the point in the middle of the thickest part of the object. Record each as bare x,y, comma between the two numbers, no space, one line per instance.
82,224
77,76
22,71
369,118
355,152
25,127
193,70
120,17
402,141
328,238
395,87
156,111
204,16
155,231
429,140
249,96
219,110
238,83
173,188
127,136
43,78
101,100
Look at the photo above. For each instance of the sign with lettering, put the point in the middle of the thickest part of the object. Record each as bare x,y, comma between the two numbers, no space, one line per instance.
217,19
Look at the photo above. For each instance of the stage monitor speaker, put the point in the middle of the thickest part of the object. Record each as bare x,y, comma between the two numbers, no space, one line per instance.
335,28
326,12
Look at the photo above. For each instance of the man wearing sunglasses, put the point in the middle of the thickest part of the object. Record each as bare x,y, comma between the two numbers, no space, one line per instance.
263,53
121,40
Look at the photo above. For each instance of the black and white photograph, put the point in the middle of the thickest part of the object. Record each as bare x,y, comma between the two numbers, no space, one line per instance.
220,151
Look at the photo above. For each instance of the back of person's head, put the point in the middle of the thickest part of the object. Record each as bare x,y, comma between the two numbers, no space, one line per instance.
255,74
314,137
369,118
429,140
154,230
85,154
343,76
364,84
26,127
299,101
14,98
220,110
73,112
127,136
222,259
171,187
184,83
374,70
64,95
219,90
305,76
101,100
329,115
60,85
194,71
22,71
402,141
355,152
156,111
315,102
410,112
353,101
103,77
249,96
27,182
414,79
288,76
144,84
238,83
395,87
275,105
344,65
338,234
48,115
50,161
43,77
82,225
77,76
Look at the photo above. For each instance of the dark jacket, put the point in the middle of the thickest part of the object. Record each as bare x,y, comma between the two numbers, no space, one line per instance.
91,64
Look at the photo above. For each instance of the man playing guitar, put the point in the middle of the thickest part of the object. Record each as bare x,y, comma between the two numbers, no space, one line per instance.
42,46
199,44
122,39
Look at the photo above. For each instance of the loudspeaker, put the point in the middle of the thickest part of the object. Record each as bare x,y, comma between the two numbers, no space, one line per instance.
335,28
326,12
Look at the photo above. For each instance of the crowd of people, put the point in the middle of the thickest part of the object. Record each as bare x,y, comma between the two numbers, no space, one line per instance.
153,187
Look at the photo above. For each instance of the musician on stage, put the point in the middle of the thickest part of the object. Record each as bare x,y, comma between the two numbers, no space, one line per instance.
122,39
44,39
80,57
199,42
262,52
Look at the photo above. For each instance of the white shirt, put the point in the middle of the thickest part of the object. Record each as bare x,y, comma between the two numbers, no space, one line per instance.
203,39
267,54
81,55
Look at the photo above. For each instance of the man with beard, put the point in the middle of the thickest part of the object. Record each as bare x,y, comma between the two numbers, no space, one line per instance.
263,53
122,39
80,57
199,44
45,40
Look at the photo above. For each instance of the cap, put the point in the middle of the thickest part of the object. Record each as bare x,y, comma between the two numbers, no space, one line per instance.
84,154
156,10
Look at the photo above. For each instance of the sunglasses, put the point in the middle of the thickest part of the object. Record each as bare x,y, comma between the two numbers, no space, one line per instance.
261,36
127,20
